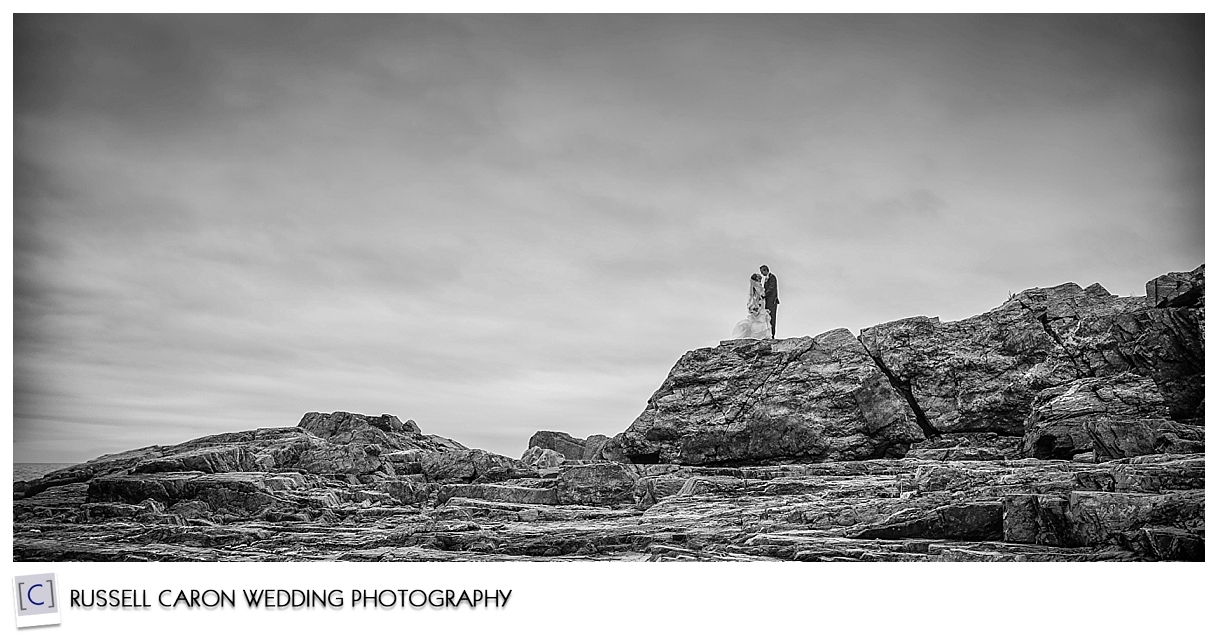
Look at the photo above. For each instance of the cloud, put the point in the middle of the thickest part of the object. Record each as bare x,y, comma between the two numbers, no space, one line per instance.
501,224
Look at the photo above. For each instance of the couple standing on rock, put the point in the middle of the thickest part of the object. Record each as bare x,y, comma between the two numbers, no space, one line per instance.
763,308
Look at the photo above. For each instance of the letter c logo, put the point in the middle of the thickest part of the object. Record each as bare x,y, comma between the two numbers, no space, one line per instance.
29,591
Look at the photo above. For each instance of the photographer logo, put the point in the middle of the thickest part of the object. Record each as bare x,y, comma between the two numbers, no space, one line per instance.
37,601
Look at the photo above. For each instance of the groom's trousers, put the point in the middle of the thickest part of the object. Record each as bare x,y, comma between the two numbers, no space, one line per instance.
773,309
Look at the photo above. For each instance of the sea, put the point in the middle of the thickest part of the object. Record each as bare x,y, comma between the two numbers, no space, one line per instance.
26,472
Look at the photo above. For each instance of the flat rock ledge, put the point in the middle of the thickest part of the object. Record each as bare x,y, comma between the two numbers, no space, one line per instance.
212,500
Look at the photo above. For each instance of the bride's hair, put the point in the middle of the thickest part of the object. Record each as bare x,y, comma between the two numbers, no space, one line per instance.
755,277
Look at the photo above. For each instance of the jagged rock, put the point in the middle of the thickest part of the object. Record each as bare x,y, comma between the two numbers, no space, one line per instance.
1057,425
1118,518
596,484
748,401
1031,518
404,462
471,466
611,451
343,428
1081,322
539,457
406,491
1168,345
1118,439
981,373
1171,544
1167,525
444,443
562,443
651,489
1177,289
594,448
328,459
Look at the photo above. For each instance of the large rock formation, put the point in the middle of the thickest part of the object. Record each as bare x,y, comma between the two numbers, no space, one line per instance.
1168,345
1177,289
1065,425
985,373
1057,426
339,444
982,373
757,401
596,447
561,443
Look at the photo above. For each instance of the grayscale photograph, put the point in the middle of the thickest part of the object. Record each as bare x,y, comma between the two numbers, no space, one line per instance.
652,288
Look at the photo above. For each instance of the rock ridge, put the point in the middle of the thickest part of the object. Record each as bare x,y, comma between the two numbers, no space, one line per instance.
1066,424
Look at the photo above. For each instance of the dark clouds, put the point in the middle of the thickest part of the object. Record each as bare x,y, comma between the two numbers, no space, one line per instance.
495,225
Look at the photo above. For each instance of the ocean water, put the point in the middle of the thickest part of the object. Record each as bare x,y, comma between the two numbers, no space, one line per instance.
26,472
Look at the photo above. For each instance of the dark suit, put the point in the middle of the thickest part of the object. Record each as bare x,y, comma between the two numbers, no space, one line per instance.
771,302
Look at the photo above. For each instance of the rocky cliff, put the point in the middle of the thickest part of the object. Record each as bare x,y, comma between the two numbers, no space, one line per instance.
1065,424
1009,372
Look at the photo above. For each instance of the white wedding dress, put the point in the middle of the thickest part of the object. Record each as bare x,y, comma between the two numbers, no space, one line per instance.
757,324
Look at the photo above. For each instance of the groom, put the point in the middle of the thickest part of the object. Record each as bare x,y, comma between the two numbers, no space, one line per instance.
770,285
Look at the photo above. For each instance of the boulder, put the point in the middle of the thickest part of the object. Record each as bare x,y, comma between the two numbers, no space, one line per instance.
1177,289
1056,427
749,401
342,428
594,448
562,443
471,466
604,484
611,451
539,457
443,443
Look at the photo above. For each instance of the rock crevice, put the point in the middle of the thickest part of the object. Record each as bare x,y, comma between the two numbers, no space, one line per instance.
902,387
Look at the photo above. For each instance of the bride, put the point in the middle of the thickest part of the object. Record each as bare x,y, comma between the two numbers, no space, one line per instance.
757,324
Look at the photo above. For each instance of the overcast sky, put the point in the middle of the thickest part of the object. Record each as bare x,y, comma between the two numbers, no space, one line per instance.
495,226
